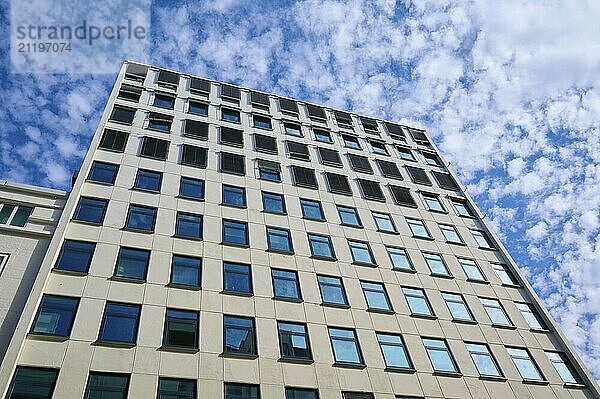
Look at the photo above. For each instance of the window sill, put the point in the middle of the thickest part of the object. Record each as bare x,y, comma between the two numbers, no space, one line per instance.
279,251
388,232
472,280
574,386
158,130
187,237
266,151
134,230
184,287
399,269
232,172
335,305
462,244
144,190
314,219
511,285
235,244
237,293
365,264
114,344
86,222
274,212
493,378
197,114
127,279
375,199
448,276
424,316
178,349
230,121
47,337
356,226
349,365
424,238
511,327
100,183
120,122
448,374
326,258
234,205
269,129
296,361
69,272
382,311
464,321
406,370
436,211
284,299
488,248
542,331
195,136
239,355
535,382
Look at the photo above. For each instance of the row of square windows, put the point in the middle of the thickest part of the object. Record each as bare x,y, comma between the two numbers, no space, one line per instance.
263,143
267,170
188,225
181,332
186,272
261,101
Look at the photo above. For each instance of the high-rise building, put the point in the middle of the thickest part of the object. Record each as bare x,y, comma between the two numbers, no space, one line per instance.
226,243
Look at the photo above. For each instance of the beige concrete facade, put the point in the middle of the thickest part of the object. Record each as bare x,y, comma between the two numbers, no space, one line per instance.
23,244
148,358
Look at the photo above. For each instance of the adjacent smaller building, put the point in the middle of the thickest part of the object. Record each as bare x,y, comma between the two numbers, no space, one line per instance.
28,217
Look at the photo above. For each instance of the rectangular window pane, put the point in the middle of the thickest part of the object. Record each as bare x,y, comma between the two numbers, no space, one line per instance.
32,383
75,256
439,355
436,264
483,359
457,306
55,316
241,391
394,351
103,172
235,232
311,209
148,180
176,388
186,271
418,229
361,252
132,263
120,323
107,386
349,216
301,393
285,284
563,367
376,296
239,335
191,188
417,301
525,364
234,196
91,210
273,202
181,328
279,240
293,341
237,277
495,311
141,218
399,258
332,290
188,225
320,246
345,346
471,269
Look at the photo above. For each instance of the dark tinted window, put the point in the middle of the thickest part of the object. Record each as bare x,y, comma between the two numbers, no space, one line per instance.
164,100
330,157
418,175
167,78
196,129
266,144
186,271
233,163
343,118
176,388
446,181
279,240
148,180
75,256
273,202
230,115
132,263
298,150
122,115
55,315
301,393
338,184
191,188
234,196
311,209
103,172
199,85
141,217
232,137
389,169
260,99
240,337
402,196
371,190
294,343
188,225
370,125
107,385
136,72
32,383
194,156
288,105
315,111
120,323
91,210
181,328
230,91
154,148
241,391
237,277
262,122
360,163
235,232
113,140
198,108
304,177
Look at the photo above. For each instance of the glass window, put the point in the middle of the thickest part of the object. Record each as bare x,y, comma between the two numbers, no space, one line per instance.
237,277
351,142
431,158
91,210
417,301
531,316
234,196
191,188
75,256
451,234
240,335
349,216
332,290
194,156
483,240
176,388
405,153
32,383
188,225
269,171
320,246
181,328
279,240
322,136
107,385
285,284
361,252
292,129
235,232
304,177
195,129
433,203
471,269
457,306
495,311
155,148
525,364
122,115
293,341
21,216
384,222
301,393
160,122
439,355
132,263
230,115
113,140
483,359
186,271
563,367
505,274
436,264
164,101
103,172
462,208
394,351
148,180
376,296
273,202
345,346
198,108
6,212
141,218
241,391
55,316
120,323
379,148
399,258
262,122
130,93
311,209
418,229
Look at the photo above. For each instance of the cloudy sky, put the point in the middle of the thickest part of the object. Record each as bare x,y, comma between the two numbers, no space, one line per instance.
510,92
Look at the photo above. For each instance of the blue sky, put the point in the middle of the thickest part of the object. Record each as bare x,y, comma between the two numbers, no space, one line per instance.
509,91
